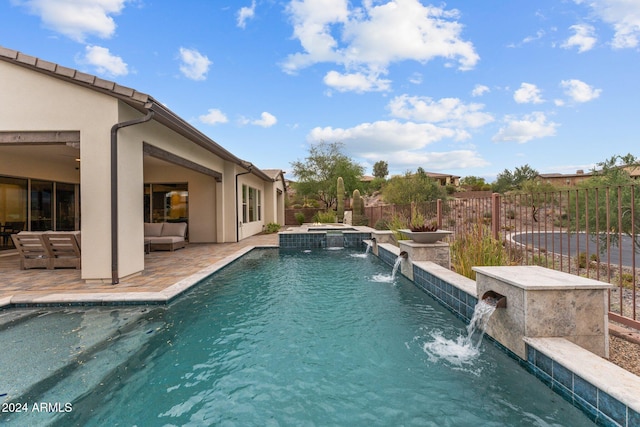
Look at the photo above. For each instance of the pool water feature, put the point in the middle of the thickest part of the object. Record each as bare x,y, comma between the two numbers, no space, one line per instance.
307,338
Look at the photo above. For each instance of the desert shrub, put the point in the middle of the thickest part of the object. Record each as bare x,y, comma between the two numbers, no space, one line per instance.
326,217
299,218
272,227
581,260
382,224
476,247
360,220
397,222
626,280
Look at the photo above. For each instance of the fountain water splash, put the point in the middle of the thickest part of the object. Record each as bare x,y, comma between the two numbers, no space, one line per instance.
386,278
481,314
365,254
462,350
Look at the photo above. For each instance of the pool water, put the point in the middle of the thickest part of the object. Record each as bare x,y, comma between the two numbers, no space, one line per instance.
306,338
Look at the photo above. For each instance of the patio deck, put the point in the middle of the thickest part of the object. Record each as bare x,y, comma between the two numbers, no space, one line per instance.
166,275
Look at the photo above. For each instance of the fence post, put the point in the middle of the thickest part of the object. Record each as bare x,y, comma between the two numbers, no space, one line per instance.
439,213
495,215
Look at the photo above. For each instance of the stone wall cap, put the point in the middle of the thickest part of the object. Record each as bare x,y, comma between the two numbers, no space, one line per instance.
533,277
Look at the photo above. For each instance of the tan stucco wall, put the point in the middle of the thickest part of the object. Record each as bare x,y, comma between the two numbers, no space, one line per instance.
35,101
250,228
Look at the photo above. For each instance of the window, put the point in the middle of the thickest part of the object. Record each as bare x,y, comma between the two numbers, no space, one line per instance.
13,208
251,204
65,207
41,201
166,202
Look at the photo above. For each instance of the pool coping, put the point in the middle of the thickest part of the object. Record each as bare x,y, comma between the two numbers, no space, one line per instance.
116,298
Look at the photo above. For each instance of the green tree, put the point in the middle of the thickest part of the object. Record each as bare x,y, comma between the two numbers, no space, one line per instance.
412,187
317,175
608,203
474,183
381,169
507,180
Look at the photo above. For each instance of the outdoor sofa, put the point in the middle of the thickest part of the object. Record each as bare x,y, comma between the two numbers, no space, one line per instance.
167,236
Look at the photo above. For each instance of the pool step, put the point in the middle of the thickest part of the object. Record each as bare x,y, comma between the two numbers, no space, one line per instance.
45,365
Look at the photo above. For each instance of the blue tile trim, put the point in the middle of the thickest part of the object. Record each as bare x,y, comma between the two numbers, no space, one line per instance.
599,406
456,300
386,256
319,240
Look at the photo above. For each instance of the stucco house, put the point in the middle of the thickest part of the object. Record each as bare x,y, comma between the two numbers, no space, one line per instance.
81,153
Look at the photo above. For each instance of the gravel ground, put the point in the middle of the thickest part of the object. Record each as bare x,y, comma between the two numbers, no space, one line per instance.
625,352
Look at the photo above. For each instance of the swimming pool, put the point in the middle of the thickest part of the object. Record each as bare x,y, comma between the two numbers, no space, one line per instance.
304,338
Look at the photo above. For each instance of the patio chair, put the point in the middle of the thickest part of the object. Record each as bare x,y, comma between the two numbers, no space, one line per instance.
63,250
9,228
32,250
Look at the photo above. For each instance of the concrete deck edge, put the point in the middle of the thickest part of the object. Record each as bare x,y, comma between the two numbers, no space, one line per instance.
601,373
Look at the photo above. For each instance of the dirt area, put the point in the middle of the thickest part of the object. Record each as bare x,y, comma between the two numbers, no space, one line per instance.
624,348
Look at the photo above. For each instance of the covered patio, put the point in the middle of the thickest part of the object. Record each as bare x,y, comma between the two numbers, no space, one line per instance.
166,275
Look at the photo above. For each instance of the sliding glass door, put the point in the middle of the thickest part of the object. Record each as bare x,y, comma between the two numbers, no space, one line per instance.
13,208
36,205
166,202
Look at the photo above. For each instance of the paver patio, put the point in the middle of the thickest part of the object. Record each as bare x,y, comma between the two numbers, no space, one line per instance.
165,274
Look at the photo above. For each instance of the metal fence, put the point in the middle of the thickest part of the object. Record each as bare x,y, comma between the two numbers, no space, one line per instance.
592,232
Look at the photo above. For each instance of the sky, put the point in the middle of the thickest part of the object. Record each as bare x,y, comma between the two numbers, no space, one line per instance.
465,87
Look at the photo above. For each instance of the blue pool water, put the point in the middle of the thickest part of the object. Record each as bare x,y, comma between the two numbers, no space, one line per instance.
295,338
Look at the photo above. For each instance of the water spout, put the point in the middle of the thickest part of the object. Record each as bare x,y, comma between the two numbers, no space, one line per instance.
495,299
404,255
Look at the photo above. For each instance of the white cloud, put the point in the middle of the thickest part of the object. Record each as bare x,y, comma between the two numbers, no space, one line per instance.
385,136
416,78
528,94
246,13
356,82
104,62
266,120
195,66
401,161
579,91
366,40
538,36
450,112
583,38
623,16
77,19
479,90
531,126
213,117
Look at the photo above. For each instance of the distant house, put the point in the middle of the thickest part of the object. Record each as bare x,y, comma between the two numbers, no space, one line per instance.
78,152
564,180
445,179
634,171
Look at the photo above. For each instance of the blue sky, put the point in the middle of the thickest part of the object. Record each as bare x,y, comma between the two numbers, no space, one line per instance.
462,87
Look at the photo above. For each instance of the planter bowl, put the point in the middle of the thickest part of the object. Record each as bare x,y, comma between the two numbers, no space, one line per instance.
426,236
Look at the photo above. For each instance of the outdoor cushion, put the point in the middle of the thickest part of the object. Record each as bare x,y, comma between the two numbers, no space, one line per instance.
166,240
153,229
174,229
